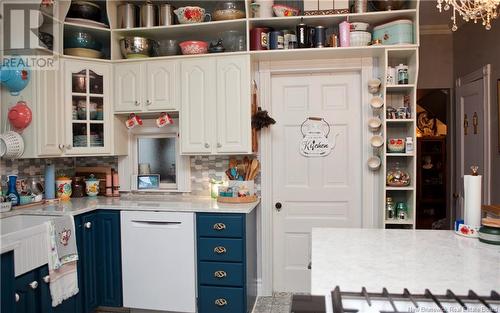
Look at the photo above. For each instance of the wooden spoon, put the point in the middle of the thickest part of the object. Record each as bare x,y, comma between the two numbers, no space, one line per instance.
253,167
256,171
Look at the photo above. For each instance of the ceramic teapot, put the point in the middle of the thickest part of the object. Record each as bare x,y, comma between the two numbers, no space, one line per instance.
14,74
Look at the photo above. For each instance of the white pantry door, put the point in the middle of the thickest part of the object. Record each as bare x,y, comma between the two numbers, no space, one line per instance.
313,192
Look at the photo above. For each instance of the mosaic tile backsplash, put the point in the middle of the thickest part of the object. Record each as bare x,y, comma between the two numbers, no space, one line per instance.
203,168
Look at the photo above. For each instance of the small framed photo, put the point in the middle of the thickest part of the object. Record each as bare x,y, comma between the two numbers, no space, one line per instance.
150,181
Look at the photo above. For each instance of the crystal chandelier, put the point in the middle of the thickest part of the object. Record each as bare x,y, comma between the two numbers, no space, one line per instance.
471,10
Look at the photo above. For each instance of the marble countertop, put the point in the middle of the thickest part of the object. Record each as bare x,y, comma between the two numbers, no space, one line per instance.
397,259
172,203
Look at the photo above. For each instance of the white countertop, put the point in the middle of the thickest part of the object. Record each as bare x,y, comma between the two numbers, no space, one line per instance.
397,259
136,203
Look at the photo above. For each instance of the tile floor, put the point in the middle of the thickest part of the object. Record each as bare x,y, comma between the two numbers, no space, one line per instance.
280,302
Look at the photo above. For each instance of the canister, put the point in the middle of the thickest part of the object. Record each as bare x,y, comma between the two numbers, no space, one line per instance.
311,30
276,40
64,189
394,33
402,74
302,36
148,15
320,37
259,38
92,186
345,34
287,35
166,15
334,40
127,13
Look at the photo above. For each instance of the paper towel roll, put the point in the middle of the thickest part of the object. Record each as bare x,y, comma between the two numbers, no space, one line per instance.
472,200
50,181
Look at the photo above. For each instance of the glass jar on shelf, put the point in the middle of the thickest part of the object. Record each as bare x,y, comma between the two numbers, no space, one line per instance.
390,209
397,177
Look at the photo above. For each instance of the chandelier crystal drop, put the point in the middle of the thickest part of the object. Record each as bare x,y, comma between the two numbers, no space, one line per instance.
471,10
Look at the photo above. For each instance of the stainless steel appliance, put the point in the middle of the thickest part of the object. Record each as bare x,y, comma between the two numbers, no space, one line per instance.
364,301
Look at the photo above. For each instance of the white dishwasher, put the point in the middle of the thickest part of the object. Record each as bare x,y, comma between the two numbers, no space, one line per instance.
158,261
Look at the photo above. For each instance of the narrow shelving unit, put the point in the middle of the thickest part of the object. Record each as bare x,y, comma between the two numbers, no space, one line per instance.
398,96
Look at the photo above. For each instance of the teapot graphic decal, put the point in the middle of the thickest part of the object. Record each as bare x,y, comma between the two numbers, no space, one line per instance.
315,141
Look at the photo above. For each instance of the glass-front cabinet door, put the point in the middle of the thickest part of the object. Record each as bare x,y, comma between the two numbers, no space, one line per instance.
88,107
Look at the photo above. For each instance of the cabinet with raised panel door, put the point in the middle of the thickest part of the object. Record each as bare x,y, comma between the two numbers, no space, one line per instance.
215,114
151,86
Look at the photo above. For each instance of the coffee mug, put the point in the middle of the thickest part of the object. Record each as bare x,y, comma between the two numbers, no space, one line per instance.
374,124
374,163
132,121
377,102
377,141
164,120
374,85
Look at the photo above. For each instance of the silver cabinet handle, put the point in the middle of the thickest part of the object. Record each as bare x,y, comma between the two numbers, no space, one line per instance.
207,145
69,147
88,225
33,285
219,226
220,274
136,103
220,250
61,147
148,102
219,145
46,279
18,297
221,302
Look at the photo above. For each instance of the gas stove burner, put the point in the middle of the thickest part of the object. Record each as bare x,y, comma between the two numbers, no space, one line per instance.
385,302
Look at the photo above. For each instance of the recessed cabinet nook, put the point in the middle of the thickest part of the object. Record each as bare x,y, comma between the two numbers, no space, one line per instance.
209,97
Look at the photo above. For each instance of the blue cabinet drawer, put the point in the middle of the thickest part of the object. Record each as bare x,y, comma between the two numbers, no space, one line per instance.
220,249
220,225
221,299
220,274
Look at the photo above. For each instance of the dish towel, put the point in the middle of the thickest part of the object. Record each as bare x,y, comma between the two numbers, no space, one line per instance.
63,256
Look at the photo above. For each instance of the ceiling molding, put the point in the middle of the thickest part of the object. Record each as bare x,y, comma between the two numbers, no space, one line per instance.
441,29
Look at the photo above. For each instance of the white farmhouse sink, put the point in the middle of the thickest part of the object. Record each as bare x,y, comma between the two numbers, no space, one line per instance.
30,234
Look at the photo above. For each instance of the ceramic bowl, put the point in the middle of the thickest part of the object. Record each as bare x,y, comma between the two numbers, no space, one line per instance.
396,145
82,39
374,85
193,47
168,47
360,38
359,26
377,102
191,15
374,163
284,10
377,141
374,124
85,9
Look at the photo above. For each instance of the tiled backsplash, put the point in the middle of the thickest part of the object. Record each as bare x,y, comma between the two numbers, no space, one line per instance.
203,168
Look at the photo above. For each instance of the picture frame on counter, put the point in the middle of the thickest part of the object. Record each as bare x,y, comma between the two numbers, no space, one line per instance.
148,182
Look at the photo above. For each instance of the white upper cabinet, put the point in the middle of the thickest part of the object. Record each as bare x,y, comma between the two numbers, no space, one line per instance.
162,86
50,114
128,89
215,115
197,114
233,105
87,109
147,86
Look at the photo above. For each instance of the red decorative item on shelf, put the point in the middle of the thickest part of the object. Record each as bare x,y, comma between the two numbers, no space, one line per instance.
20,116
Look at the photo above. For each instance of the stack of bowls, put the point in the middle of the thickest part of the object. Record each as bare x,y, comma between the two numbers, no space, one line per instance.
82,44
360,36
138,47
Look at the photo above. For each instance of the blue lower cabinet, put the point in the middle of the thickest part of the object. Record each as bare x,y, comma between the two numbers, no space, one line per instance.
226,247
99,265
220,249
26,293
67,306
221,299
221,274
7,285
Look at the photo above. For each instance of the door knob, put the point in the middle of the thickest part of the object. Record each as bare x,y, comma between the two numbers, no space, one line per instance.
455,195
219,226
207,145
33,285
148,102
221,302
136,103
69,147
88,225
61,147
220,250
17,297
46,279
220,274
278,206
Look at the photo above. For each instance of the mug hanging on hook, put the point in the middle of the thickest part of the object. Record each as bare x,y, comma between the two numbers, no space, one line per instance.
315,141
